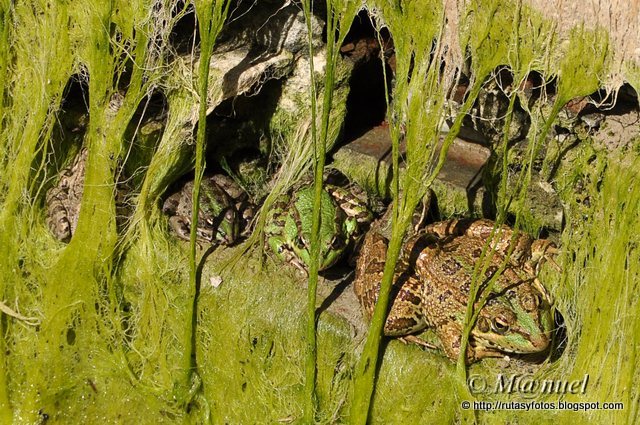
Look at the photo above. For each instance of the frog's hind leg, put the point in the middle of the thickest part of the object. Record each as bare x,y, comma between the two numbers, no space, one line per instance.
351,204
475,227
405,316
543,251
58,216
419,218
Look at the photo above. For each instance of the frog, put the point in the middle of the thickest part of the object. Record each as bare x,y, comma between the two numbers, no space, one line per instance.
63,200
432,282
344,216
224,209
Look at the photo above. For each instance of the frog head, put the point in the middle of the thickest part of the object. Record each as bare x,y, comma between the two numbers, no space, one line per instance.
518,320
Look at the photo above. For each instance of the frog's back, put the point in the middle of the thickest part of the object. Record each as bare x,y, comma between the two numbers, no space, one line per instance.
449,267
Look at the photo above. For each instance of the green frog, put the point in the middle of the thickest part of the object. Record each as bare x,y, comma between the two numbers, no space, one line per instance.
432,282
288,228
224,208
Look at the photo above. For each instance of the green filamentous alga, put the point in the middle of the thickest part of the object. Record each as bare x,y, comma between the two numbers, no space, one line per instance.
116,313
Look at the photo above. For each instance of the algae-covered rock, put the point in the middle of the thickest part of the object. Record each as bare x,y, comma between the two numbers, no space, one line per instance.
113,312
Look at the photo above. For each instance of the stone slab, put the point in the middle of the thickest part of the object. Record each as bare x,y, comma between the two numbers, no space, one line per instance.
462,167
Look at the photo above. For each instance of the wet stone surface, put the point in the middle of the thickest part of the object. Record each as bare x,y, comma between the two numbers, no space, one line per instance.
458,188
367,160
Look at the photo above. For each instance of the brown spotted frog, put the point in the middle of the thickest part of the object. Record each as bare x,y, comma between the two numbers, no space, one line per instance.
63,200
432,282
224,209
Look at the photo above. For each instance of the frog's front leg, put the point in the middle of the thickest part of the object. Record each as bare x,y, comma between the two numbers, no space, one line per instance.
450,335
278,245
181,227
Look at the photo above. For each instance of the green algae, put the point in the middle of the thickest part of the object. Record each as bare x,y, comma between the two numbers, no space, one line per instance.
253,348
599,287
28,115
112,308
419,97
340,15
210,15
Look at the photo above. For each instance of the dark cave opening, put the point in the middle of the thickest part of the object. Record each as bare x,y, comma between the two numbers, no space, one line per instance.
367,101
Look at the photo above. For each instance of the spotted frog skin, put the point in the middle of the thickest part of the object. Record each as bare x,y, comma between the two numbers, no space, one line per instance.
432,282
288,228
223,207
63,201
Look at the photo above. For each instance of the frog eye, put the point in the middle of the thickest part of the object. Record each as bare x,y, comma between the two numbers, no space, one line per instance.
499,325
300,242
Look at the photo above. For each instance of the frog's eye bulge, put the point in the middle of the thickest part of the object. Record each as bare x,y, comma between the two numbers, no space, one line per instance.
499,325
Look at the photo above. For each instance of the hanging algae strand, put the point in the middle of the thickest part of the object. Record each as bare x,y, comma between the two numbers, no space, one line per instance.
417,112
85,266
490,50
340,15
211,16
19,141
311,343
